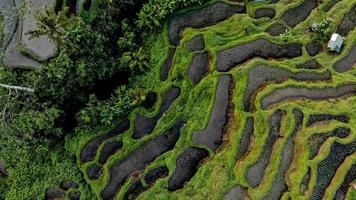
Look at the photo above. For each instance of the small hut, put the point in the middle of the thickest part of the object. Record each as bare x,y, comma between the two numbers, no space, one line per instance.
335,43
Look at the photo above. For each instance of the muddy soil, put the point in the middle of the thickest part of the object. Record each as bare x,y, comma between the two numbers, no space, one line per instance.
315,118
279,186
290,93
109,149
67,185
144,125
167,65
206,16
150,178
90,149
134,190
195,44
276,29
305,182
247,135
94,171
313,48
298,14
150,101
235,193
53,193
260,75
153,175
198,67
346,63
265,12
318,139
348,23
256,172
310,64
212,135
139,158
229,58
186,167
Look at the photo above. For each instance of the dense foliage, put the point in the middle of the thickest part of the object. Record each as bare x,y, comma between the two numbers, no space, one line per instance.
86,85
155,12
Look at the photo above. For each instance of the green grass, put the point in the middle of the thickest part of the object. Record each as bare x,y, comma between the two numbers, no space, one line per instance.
221,172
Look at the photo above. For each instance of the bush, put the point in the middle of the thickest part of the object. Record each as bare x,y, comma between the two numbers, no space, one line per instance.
323,30
107,112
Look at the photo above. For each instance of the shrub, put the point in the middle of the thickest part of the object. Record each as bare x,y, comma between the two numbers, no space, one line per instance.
323,30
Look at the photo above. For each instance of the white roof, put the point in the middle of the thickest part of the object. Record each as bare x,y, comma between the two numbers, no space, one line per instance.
336,40
335,36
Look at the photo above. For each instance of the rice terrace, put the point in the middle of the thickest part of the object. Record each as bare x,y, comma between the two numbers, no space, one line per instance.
165,100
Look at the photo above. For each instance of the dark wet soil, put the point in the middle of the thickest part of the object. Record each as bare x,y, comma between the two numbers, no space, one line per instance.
66,185
291,92
186,167
53,193
305,182
247,135
263,48
256,172
276,29
313,48
167,65
348,23
150,178
299,116
279,185
260,75
150,101
310,64
109,149
265,12
94,171
327,6
315,118
74,195
327,167
145,125
346,63
209,15
89,151
318,139
134,190
198,67
195,44
139,158
212,135
235,193
345,186
298,14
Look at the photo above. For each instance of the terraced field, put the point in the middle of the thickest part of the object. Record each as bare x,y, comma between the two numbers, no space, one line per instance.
238,110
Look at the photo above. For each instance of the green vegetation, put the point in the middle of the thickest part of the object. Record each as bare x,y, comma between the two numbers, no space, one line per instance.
96,51
108,61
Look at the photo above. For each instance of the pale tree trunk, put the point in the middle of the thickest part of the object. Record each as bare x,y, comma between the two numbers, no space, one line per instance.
16,87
